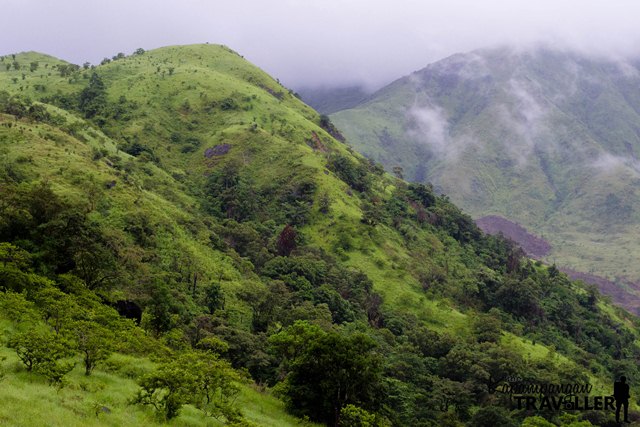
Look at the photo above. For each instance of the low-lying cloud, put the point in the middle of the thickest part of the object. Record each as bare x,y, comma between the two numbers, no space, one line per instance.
320,42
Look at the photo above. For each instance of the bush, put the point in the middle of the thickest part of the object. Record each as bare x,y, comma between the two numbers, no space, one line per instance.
196,378
352,416
355,175
41,351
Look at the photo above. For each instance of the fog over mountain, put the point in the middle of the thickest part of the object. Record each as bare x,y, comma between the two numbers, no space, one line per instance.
547,138
316,43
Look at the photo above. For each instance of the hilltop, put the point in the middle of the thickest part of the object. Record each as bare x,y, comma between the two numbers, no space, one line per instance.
186,182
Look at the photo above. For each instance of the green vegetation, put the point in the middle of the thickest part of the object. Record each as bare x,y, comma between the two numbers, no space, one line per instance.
547,139
204,245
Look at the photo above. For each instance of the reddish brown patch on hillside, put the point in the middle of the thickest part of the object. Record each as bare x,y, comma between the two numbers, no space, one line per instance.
619,296
534,246
623,292
217,150
315,143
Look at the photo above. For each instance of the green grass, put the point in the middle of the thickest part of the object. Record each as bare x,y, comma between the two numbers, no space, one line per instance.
29,401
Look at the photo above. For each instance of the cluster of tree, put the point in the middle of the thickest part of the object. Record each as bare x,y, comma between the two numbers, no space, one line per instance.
327,125
93,103
356,175
232,193
198,378
67,70
24,108
59,321
56,320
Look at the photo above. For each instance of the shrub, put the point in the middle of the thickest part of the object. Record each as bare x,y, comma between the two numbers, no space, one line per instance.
41,351
196,378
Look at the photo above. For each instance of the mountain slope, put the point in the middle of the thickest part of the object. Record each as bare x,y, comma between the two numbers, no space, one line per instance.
328,100
544,138
186,182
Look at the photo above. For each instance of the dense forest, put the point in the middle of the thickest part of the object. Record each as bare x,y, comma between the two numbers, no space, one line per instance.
185,242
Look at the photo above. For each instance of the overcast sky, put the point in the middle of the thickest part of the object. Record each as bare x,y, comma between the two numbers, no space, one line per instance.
318,42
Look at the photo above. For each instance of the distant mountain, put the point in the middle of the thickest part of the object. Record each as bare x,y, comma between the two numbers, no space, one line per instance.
548,139
327,100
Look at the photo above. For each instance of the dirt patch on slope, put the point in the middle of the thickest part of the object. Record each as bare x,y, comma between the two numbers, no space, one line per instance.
619,295
623,292
534,246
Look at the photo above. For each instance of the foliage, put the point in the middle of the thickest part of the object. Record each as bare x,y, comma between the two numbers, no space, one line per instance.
286,242
194,378
94,342
93,98
238,246
41,351
328,371
354,174
352,416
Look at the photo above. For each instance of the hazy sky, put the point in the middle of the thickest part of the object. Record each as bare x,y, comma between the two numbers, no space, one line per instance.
316,42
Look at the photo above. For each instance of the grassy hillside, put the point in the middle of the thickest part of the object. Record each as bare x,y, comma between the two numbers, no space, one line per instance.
545,138
186,182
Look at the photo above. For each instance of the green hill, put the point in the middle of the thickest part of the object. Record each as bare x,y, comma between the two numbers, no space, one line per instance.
545,138
268,260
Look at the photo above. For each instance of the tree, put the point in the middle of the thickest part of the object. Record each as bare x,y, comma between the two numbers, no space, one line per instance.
324,204
490,416
94,343
536,421
11,255
286,242
158,313
398,171
355,175
33,66
372,213
41,351
328,371
352,416
214,297
196,378
93,98
17,308
57,308
487,327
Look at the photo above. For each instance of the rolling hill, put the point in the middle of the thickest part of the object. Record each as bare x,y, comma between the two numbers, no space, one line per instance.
270,274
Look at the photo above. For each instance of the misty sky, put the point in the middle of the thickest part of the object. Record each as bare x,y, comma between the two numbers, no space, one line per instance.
318,42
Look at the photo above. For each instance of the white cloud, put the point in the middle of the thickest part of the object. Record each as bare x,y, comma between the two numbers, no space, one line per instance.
431,127
306,42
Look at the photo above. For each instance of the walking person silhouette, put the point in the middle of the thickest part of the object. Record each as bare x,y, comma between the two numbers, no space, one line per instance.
621,394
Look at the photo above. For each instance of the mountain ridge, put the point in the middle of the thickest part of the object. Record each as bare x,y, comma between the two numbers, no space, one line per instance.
538,137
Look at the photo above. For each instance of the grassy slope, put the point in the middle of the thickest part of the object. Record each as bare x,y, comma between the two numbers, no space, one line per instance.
273,151
66,163
29,400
